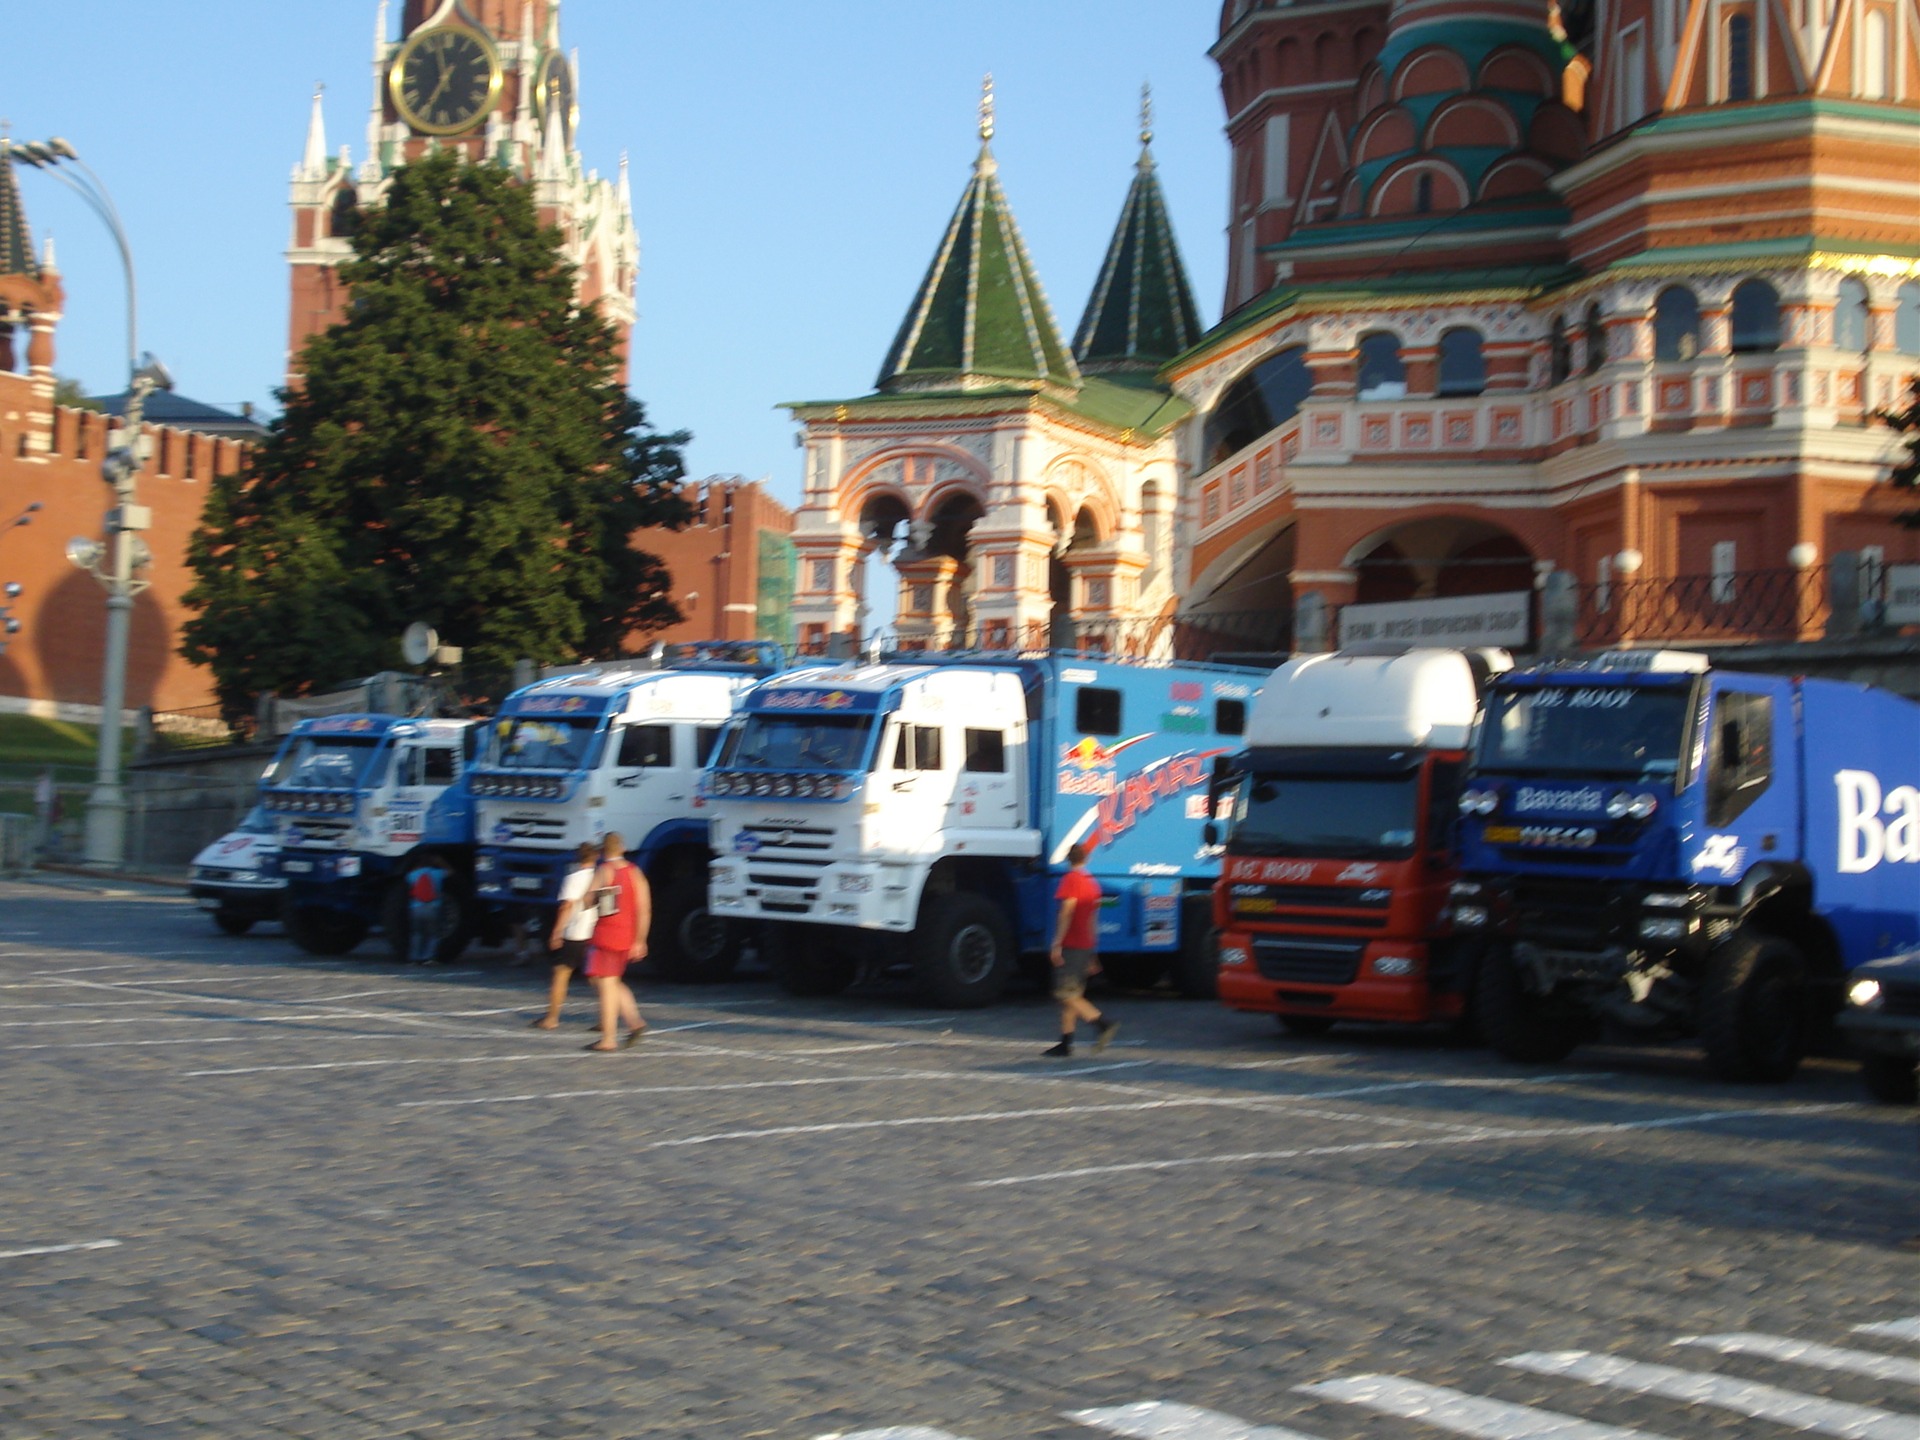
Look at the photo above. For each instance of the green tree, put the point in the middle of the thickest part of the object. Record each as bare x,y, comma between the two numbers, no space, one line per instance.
460,450
1905,474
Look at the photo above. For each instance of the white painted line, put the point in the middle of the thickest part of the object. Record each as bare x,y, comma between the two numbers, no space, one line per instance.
885,1077
1805,1352
58,1249
391,1016
1164,1420
1907,1329
1725,1392
1465,1414
567,1055
1471,1137
894,1432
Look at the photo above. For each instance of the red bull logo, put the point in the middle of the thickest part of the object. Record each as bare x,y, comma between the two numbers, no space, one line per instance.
1086,767
1133,799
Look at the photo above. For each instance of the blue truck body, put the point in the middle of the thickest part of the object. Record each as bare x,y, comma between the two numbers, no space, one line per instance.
1674,848
354,799
936,798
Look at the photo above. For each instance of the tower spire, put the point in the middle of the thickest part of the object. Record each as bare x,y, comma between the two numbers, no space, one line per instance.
16,241
986,109
313,165
1146,114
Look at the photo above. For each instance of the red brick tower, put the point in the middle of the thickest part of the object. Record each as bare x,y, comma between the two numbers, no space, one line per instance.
486,77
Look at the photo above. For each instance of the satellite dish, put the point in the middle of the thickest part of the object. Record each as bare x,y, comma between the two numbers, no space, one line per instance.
419,643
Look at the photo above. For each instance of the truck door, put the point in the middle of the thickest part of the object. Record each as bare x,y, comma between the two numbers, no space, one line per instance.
646,783
919,775
1750,784
422,771
988,794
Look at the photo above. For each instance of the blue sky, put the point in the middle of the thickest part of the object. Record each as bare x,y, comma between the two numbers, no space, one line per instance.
794,163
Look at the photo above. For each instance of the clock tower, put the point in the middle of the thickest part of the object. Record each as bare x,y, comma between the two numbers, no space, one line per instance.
490,79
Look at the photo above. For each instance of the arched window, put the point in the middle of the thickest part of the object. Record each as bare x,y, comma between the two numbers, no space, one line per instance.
344,220
1153,530
1906,319
1463,362
1756,318
1740,58
1268,396
1423,194
1875,82
1852,328
1559,352
1382,375
1676,324
1596,337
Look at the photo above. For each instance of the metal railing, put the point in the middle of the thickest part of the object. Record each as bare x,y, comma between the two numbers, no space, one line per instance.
1186,637
1743,606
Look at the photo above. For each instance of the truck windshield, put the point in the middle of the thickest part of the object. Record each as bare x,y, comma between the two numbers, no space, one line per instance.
324,762
524,743
1623,730
798,742
1362,817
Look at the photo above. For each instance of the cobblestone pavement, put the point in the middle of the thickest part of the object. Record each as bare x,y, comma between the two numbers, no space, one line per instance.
251,1193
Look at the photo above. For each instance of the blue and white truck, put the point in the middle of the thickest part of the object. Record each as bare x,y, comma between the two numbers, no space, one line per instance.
574,757
1676,849
916,816
354,799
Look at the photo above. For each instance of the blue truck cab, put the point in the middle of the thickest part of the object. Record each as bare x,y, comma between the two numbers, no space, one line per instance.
916,815
574,757
1676,849
355,799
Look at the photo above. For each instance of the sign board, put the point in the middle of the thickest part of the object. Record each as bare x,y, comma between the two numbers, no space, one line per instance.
1903,595
1505,620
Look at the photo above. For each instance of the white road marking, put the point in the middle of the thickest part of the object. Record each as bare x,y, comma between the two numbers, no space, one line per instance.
1465,1414
1478,1136
392,1016
1725,1392
886,1077
894,1432
58,1249
1164,1420
1907,1329
1806,1352
412,1059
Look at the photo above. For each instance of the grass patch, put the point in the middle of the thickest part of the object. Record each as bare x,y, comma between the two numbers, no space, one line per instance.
29,740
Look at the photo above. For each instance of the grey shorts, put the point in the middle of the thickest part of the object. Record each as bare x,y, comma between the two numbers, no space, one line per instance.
1070,975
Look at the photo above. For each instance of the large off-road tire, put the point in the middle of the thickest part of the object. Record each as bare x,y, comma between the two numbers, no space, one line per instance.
320,931
688,943
232,922
1891,1079
1196,970
457,921
1130,970
1520,1026
962,951
1756,1015
1305,1026
802,965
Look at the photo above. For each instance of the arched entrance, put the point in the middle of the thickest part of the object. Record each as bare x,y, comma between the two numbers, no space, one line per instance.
1243,601
1439,557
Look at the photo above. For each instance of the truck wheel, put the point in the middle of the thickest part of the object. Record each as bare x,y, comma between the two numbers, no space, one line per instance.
802,965
1196,972
1891,1079
320,931
961,951
1519,1026
1754,1019
231,922
1130,971
1305,1025
688,942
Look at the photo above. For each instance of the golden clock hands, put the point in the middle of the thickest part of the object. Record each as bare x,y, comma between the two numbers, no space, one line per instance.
446,76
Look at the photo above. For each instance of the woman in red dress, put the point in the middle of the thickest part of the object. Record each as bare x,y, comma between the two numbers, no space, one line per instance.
619,939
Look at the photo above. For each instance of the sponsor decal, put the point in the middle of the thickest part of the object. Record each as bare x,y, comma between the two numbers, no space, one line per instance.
1610,697
1162,902
1153,870
1079,677
1876,825
1138,794
1560,837
1087,766
1590,799
1185,692
1233,692
1722,853
1282,872
1361,872
745,844
350,725
503,834
553,705
800,700
1184,721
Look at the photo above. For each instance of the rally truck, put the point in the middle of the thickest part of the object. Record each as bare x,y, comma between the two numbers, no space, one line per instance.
575,756
916,816
1332,902
1653,843
355,800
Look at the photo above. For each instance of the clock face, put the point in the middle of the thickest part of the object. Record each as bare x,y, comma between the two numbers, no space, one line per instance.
554,95
445,80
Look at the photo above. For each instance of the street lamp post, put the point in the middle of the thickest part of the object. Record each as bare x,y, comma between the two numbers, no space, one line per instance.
118,565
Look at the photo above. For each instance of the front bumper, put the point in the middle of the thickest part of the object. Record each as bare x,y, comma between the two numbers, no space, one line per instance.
862,895
526,877
1334,977
1875,1033
258,899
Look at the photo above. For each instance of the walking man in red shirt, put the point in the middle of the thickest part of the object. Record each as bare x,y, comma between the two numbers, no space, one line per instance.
1076,940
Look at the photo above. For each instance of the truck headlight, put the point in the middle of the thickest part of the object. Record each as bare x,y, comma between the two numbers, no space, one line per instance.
1233,955
1864,994
347,866
1637,805
722,875
854,884
1479,802
1470,917
1396,965
483,862
1665,927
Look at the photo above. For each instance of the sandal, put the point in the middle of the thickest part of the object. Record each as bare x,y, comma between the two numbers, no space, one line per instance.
601,1049
543,1024
633,1037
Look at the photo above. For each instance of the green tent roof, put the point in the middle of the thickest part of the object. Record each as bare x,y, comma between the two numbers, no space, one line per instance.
16,244
1142,312
980,315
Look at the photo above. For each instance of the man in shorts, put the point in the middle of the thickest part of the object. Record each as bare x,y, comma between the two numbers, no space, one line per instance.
1076,940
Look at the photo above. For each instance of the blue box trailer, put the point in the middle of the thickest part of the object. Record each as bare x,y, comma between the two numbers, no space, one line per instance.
935,798
1674,848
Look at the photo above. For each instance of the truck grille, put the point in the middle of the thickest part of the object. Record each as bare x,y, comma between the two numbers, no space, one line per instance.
1337,906
789,844
544,829
1307,962
1575,915
310,830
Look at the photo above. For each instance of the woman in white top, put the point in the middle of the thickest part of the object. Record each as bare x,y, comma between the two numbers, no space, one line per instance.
573,926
